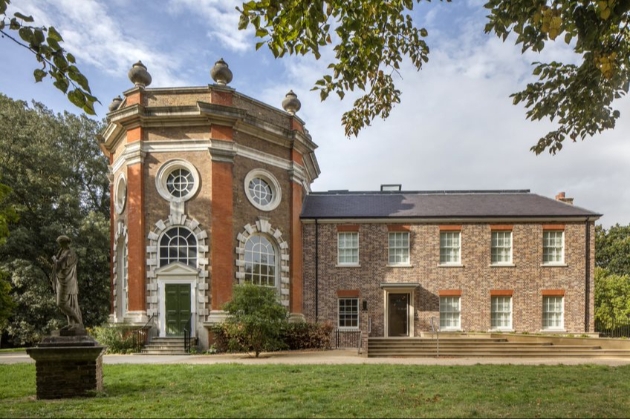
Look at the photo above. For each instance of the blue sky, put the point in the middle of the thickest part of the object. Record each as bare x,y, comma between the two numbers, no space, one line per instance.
456,127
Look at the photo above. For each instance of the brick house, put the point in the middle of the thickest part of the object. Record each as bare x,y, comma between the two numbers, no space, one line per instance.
211,188
389,263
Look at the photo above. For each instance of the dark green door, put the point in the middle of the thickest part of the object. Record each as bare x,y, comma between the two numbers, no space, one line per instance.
177,308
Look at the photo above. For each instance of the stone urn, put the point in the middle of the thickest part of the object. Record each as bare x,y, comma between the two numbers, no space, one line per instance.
291,103
221,73
115,103
139,75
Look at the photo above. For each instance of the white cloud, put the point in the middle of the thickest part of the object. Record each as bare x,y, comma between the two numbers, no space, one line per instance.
220,16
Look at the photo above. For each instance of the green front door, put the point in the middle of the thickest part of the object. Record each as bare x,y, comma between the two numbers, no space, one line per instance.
177,308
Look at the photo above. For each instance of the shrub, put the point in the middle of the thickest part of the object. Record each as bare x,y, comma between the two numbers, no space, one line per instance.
256,319
118,339
307,335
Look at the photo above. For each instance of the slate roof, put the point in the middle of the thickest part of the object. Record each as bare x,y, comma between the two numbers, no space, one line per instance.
437,204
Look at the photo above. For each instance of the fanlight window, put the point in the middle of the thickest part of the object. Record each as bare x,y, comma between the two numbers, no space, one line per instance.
178,245
260,261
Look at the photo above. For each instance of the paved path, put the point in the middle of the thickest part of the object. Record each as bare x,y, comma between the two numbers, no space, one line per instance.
321,357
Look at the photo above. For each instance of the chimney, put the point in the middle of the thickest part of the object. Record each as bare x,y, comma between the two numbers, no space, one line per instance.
562,198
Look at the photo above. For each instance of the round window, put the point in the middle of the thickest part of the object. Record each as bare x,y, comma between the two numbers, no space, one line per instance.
177,181
121,194
180,182
262,189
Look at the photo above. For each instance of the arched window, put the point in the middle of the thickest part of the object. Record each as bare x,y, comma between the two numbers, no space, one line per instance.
178,245
260,261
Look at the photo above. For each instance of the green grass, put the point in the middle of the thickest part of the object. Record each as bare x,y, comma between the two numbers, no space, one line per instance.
332,391
12,350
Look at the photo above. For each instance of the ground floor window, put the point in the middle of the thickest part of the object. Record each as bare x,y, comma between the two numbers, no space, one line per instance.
553,312
450,313
348,313
501,312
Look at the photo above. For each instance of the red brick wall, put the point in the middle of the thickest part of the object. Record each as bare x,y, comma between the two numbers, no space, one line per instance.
476,278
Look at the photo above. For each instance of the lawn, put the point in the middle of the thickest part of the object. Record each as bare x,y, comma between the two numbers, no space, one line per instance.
332,391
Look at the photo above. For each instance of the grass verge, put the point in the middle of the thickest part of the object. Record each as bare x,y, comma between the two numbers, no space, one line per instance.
332,391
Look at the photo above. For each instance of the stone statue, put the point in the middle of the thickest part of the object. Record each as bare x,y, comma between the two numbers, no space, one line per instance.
66,286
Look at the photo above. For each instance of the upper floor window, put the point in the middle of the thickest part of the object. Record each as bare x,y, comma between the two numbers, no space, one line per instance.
348,313
260,261
178,244
398,248
262,189
177,181
450,246
501,247
348,248
553,247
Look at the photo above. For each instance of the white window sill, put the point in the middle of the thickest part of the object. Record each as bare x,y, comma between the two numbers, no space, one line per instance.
502,265
553,265
401,265
347,265
348,329
450,265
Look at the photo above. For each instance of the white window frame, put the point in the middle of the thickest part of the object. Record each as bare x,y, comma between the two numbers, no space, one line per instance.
342,250
120,191
499,249
499,310
446,257
556,304
398,248
550,249
447,314
162,177
350,313
192,244
256,279
274,186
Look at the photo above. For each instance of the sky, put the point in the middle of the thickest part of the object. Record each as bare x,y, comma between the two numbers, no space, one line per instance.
456,128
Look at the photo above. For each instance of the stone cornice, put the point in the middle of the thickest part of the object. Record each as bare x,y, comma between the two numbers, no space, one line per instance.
223,151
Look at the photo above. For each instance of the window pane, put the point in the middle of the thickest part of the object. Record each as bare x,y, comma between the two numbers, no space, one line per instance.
260,261
178,245
450,247
553,246
348,248
398,248
501,312
348,313
450,313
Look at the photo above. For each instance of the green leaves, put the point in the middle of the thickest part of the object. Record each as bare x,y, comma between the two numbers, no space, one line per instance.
577,96
45,44
370,40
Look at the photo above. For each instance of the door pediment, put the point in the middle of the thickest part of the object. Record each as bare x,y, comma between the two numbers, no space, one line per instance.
176,269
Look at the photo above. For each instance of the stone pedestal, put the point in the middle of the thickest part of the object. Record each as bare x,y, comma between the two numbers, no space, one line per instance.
68,366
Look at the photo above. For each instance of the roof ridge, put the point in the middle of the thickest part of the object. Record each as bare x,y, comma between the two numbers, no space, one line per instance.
428,192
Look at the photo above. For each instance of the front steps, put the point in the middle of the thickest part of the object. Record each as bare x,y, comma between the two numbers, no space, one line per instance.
484,347
165,346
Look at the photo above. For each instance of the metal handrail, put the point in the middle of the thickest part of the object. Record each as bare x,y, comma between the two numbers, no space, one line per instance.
141,334
187,333
436,332
360,346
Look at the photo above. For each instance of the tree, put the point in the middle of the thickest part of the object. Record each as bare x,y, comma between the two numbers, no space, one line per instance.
371,38
59,185
612,299
256,318
612,249
56,63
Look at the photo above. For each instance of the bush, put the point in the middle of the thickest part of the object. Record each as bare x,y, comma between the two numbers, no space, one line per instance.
293,336
307,335
118,339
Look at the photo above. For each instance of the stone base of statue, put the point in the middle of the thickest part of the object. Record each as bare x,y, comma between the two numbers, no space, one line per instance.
68,363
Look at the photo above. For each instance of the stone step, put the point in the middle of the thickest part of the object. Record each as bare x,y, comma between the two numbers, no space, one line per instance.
504,354
163,352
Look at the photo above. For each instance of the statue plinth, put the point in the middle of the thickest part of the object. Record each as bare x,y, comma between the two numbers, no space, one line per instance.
68,366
